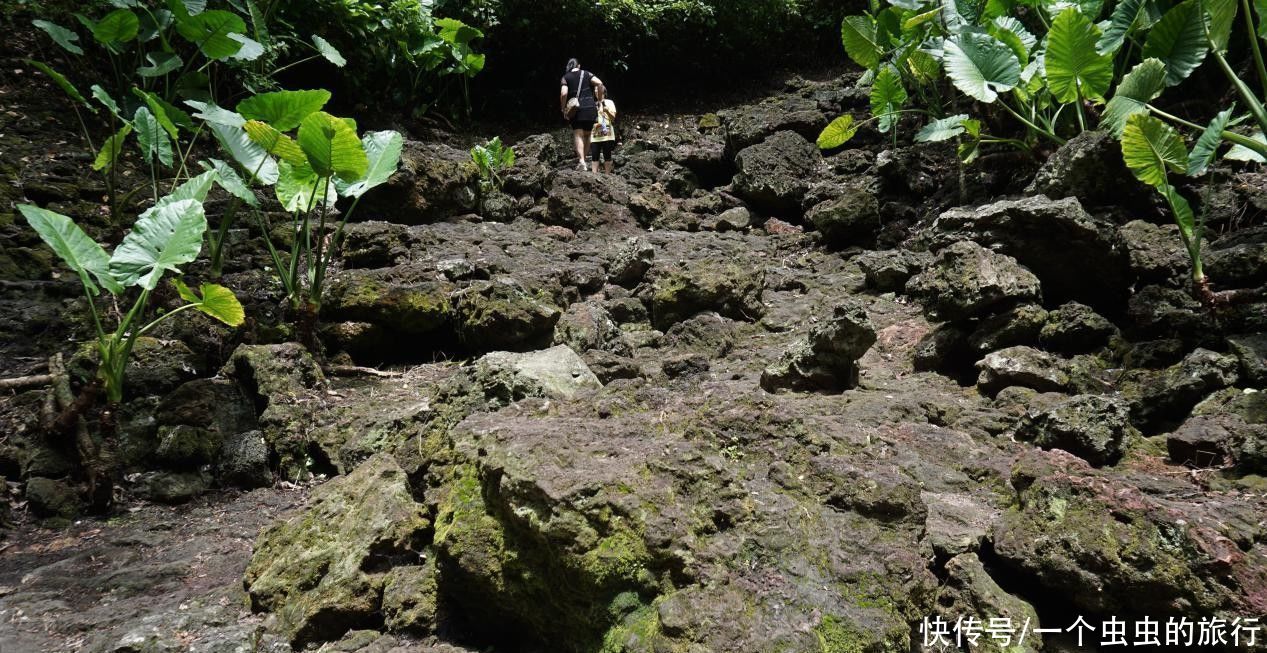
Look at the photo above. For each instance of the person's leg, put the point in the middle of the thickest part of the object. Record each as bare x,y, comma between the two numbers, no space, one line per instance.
579,138
595,155
587,142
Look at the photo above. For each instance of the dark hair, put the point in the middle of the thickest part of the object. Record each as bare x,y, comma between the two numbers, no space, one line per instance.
572,65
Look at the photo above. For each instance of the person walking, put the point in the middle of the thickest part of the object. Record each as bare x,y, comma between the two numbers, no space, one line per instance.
603,135
578,101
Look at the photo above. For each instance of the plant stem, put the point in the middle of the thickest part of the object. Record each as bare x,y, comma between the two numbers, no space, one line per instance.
1058,140
1246,93
1253,45
1229,136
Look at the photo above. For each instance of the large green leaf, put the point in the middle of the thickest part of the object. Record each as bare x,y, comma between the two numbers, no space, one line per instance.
102,96
332,147
250,50
61,81
217,301
1220,15
250,156
68,40
161,63
839,132
328,51
160,241
887,97
1260,7
111,149
1178,40
383,151
210,31
230,181
857,33
456,32
1139,87
275,142
118,26
1207,146
151,136
299,189
1242,153
284,110
1013,34
1152,149
1075,70
1184,217
981,66
211,113
942,130
1120,24
171,118
81,253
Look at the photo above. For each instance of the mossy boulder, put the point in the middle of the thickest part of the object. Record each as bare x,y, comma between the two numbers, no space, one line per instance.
407,308
1022,366
970,591
556,373
774,175
582,200
435,181
1162,399
495,315
156,367
1075,328
827,358
280,380
853,218
409,598
731,290
967,280
1092,427
324,570
52,498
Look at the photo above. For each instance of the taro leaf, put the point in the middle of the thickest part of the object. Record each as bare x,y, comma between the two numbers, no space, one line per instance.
1242,153
68,40
1152,149
171,118
251,157
250,50
111,149
61,81
118,26
1139,87
210,31
887,97
1183,216
1207,146
299,188
1075,70
275,142
284,110
152,137
194,188
161,63
213,114
1220,15
230,181
1011,32
332,147
456,32
81,253
100,95
1120,24
1178,40
837,133
857,33
161,240
981,66
328,51
216,300
383,151
942,130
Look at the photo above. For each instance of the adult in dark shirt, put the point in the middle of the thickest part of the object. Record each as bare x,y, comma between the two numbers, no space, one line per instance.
579,85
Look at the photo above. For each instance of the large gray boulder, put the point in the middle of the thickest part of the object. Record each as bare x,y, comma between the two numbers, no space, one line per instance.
1090,168
827,358
1169,396
774,175
681,291
750,124
582,200
1022,366
1026,229
853,218
967,280
435,182
555,373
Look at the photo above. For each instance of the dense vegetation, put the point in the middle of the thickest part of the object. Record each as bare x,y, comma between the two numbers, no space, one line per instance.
1044,71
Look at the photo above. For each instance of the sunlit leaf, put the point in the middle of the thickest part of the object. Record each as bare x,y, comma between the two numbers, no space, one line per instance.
839,132
81,253
68,40
159,242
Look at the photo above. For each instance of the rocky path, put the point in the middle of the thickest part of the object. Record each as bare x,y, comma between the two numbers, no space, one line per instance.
742,396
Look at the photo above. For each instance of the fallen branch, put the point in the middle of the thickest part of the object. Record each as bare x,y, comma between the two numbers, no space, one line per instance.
26,382
354,370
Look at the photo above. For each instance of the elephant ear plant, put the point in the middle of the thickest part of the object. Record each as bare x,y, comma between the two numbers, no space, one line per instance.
163,238
323,162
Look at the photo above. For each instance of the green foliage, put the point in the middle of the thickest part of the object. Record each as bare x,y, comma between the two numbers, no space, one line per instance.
162,240
324,160
492,159
1178,41
887,98
981,66
836,134
1075,70
1152,149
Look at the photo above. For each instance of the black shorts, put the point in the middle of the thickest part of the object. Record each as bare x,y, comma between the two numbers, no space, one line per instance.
603,148
584,118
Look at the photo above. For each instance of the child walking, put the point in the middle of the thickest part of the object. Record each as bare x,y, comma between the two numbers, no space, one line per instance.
603,135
